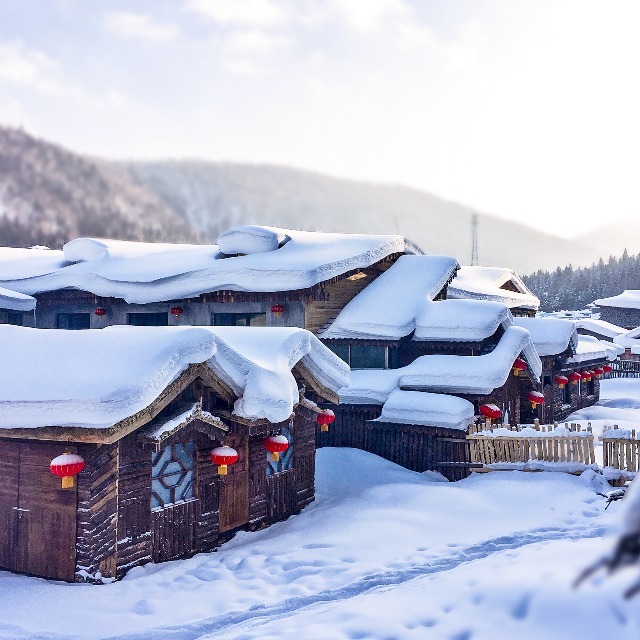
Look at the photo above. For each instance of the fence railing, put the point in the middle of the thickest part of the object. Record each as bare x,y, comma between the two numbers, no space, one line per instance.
625,369
534,444
621,450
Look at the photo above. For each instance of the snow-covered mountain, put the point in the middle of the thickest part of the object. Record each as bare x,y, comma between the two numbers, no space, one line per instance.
49,195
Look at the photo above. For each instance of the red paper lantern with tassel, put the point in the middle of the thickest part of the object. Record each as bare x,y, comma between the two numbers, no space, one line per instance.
66,466
224,457
276,445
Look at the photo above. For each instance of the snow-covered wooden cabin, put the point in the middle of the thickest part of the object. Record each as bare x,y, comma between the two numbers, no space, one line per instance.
15,307
600,329
495,284
423,365
144,408
622,310
254,276
572,365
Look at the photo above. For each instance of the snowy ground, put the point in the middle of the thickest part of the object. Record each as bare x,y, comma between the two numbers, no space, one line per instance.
383,553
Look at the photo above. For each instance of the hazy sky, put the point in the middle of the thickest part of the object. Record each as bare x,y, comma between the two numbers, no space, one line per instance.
529,109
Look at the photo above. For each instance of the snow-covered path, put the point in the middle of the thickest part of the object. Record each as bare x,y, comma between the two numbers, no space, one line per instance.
383,553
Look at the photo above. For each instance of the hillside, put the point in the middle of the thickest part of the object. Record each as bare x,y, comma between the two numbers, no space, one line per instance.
615,238
49,195
214,196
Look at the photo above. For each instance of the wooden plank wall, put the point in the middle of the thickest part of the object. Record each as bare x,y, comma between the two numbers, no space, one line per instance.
208,511
97,512
134,505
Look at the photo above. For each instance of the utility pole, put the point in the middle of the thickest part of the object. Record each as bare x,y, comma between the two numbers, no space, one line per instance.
474,240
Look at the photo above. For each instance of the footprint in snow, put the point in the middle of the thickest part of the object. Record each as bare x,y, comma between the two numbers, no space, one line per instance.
143,608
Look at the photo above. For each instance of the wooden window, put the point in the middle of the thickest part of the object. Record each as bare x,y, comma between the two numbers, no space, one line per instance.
286,458
172,475
341,350
239,319
73,321
366,356
148,319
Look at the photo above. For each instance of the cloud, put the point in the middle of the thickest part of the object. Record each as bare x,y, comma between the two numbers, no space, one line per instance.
370,15
139,27
247,43
28,67
241,13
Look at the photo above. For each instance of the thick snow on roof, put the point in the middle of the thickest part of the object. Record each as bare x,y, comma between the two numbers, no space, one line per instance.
629,338
16,301
550,336
400,302
485,283
590,348
629,299
95,378
146,272
429,409
389,306
22,264
475,375
601,327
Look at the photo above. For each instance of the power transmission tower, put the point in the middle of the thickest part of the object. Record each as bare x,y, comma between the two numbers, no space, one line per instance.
474,240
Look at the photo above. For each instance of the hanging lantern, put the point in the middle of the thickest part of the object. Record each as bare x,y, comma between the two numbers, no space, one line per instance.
275,445
561,381
518,366
586,376
177,311
607,368
223,456
598,371
66,466
575,377
277,309
100,311
490,411
536,398
325,418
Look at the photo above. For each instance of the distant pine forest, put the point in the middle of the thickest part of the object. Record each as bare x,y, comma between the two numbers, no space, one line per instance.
571,288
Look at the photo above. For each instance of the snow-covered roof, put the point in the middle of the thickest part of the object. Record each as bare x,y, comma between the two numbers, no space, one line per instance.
96,378
590,348
550,336
16,301
428,409
629,299
629,338
488,283
400,302
601,327
270,259
474,375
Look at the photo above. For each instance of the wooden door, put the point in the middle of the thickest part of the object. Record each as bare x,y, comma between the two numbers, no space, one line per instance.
234,489
47,516
37,516
9,464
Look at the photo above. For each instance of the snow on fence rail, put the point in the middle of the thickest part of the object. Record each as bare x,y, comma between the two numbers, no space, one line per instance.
534,448
621,449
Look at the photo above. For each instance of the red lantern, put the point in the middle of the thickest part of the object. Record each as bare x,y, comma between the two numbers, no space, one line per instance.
275,445
277,309
574,376
535,398
598,372
586,375
490,411
325,418
223,456
177,311
66,466
607,368
100,311
518,366
561,381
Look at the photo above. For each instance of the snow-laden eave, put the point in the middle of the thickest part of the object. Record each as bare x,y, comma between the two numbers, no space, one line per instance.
15,301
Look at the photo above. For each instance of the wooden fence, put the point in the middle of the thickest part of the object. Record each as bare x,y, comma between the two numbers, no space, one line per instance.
625,369
535,444
621,452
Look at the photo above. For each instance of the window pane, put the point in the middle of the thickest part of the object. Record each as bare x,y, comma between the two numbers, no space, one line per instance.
258,320
172,474
341,350
367,357
148,319
239,320
73,320
393,357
